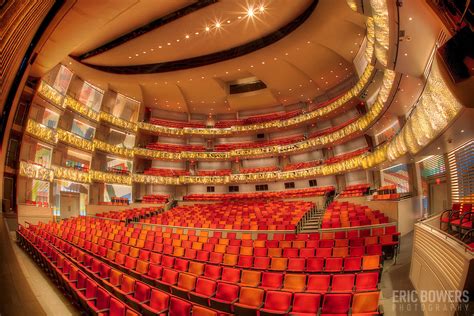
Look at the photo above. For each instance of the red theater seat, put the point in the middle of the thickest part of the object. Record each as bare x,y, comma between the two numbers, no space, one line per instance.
305,304
276,303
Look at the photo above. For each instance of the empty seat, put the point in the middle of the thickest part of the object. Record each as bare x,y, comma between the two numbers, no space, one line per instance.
271,280
364,304
305,304
261,263
154,273
342,282
296,264
352,264
178,307
370,262
315,264
250,300
230,275
367,281
333,265
336,304
168,279
318,283
196,268
279,264
202,311
140,296
250,278
276,303
205,288
186,283
294,282
226,295
212,271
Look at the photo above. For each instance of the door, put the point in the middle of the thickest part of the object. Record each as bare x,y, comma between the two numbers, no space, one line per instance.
438,197
70,204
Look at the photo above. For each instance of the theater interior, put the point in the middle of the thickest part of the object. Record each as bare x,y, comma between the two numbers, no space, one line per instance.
237,157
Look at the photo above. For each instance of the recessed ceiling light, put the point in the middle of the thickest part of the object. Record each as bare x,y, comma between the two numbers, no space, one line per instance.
207,29
251,66
197,33
160,46
239,17
218,24
286,54
352,52
308,42
186,36
462,131
128,57
261,8
410,19
228,21
136,54
406,54
177,40
168,43
238,69
226,72
439,148
263,63
250,12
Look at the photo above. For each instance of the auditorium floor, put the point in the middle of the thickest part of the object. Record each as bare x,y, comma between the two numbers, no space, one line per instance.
25,289
395,277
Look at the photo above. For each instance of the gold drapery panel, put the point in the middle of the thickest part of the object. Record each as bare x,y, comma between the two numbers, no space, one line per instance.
51,94
436,108
74,140
109,118
382,30
71,174
33,171
115,150
109,177
80,108
41,132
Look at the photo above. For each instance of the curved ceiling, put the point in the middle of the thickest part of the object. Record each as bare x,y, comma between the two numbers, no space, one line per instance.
308,62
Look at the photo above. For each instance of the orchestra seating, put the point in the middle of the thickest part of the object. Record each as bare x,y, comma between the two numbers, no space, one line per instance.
108,265
155,198
236,215
175,147
296,193
355,190
131,214
347,214
166,172
211,173
176,124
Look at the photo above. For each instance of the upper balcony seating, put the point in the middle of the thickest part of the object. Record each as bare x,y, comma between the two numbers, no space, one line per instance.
355,190
175,147
259,169
118,170
315,191
156,198
228,123
236,215
458,219
211,173
257,144
331,129
387,192
309,164
176,124
349,215
164,172
346,156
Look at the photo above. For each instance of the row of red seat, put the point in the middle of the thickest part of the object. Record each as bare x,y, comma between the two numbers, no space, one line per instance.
259,169
156,198
263,143
211,173
233,297
350,215
131,214
164,172
346,156
458,219
295,193
84,277
175,147
309,164
83,290
276,214
355,190
393,196
176,124
165,277
331,129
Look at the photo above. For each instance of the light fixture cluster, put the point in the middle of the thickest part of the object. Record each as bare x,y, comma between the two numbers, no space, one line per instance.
251,11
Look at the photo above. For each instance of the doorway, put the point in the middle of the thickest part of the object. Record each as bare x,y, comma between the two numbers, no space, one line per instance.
70,204
438,197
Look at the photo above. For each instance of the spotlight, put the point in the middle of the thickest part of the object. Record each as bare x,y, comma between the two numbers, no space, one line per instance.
207,29
218,24
261,8
250,12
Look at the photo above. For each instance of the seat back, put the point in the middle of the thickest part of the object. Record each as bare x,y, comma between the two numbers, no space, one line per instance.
336,303
306,303
251,296
179,307
227,292
278,301
366,302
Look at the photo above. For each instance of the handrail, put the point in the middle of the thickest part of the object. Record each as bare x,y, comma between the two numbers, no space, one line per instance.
329,230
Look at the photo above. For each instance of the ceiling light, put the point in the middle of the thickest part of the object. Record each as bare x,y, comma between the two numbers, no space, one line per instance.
168,43
187,36
218,24
226,72
144,52
197,33
406,54
261,8
410,19
160,46
128,57
202,77
177,40
207,29
263,63
439,148
462,131
136,54
228,21
238,69
250,12
308,42
239,17
251,66
352,52
152,49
